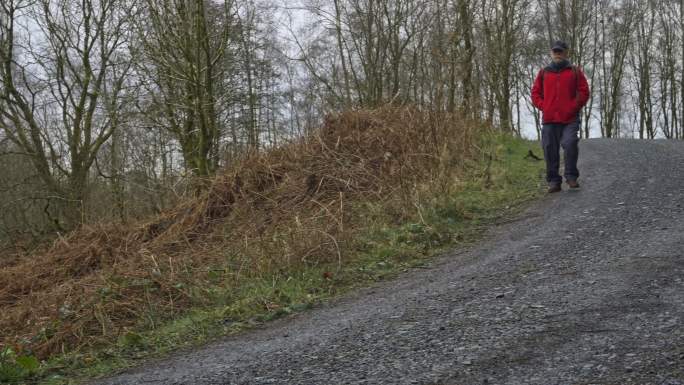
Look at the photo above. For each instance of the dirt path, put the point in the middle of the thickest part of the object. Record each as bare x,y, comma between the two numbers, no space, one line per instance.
586,288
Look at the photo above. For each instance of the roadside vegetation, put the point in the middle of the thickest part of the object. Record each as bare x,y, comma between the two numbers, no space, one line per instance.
372,194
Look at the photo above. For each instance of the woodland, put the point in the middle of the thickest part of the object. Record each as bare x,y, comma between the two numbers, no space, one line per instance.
114,110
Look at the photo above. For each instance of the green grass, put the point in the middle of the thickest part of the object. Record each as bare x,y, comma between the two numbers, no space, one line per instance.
495,187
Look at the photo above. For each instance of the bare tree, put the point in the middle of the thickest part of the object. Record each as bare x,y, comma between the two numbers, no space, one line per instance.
183,44
616,24
502,23
641,64
55,87
667,69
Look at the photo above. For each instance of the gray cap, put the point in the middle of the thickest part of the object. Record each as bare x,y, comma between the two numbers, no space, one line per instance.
559,45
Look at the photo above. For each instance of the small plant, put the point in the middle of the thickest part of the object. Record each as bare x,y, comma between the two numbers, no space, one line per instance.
14,368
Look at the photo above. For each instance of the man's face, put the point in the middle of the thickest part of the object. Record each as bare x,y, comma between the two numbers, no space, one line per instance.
558,55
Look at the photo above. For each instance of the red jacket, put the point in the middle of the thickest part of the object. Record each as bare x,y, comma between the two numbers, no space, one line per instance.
565,93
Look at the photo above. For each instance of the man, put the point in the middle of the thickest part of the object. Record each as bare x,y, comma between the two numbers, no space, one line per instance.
560,91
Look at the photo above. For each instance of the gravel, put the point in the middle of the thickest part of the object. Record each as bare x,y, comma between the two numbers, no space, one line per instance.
586,287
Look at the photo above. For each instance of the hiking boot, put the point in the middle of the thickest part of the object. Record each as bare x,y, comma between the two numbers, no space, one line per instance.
572,183
554,188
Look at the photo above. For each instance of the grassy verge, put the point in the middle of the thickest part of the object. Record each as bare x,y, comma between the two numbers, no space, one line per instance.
495,186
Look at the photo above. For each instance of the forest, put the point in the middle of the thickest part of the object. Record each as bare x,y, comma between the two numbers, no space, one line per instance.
114,110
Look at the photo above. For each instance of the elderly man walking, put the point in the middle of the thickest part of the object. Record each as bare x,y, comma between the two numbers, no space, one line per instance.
560,91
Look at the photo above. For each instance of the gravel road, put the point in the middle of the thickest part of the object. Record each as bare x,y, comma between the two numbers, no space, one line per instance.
585,287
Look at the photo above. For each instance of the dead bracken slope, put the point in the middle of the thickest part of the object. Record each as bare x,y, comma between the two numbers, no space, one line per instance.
92,286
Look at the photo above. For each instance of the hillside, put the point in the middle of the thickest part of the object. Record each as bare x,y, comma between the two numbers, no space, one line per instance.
303,212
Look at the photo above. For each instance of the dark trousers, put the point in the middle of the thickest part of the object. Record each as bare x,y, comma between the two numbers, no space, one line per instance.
555,136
